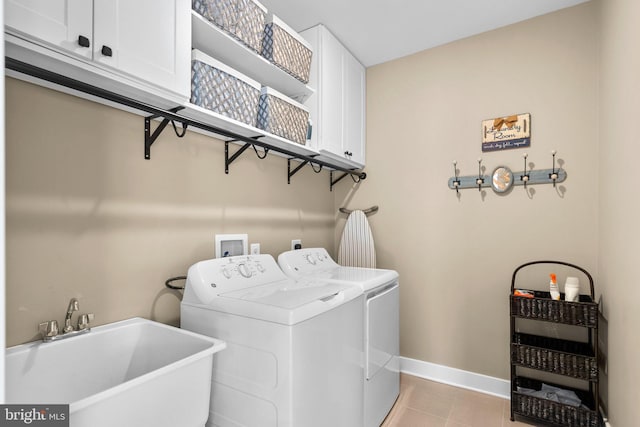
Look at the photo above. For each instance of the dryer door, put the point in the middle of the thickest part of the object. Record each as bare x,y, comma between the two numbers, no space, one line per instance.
382,328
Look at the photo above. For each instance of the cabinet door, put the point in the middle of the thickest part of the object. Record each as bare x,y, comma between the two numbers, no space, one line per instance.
331,96
354,109
148,39
63,24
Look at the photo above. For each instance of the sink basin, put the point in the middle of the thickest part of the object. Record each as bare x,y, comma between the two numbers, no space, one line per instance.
131,373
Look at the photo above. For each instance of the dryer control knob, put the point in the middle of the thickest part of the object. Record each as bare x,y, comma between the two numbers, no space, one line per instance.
244,270
260,268
226,272
311,260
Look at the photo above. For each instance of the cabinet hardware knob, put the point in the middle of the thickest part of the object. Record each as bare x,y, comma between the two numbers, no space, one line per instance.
106,51
348,153
83,41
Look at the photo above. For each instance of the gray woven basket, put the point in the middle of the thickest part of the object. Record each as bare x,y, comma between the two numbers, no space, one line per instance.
218,91
282,118
285,51
242,19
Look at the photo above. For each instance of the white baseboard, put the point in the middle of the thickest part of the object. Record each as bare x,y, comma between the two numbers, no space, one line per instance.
456,377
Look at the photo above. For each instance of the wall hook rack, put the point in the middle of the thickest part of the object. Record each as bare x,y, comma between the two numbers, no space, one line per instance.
172,115
526,177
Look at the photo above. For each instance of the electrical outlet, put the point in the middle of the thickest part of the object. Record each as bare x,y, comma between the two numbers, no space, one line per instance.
296,244
255,249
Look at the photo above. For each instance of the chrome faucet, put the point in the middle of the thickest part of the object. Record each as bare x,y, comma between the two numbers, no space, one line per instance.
73,306
49,330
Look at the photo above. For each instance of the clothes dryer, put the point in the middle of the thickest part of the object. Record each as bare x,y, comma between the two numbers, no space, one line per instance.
381,324
293,346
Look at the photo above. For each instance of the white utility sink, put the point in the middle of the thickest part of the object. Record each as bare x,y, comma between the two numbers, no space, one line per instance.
133,373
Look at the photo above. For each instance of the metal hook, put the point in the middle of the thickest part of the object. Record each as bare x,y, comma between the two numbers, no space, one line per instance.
314,169
525,178
175,129
553,175
456,181
266,151
480,179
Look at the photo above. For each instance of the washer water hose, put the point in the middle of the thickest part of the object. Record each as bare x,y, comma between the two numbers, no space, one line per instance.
168,282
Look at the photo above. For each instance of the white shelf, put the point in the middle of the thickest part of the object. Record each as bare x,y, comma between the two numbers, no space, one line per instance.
211,118
329,157
215,42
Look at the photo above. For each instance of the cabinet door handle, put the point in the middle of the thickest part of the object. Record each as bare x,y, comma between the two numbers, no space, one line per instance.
106,51
348,153
83,41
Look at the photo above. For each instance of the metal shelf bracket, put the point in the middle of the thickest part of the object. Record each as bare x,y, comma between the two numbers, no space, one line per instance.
150,138
333,182
360,177
290,172
228,160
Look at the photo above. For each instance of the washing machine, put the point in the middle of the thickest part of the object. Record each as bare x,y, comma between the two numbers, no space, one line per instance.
381,322
293,346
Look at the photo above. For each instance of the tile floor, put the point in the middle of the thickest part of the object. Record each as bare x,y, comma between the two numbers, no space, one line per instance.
424,403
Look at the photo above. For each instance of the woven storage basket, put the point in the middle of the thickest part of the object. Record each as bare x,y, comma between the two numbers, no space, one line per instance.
287,49
551,411
282,116
242,19
562,357
223,90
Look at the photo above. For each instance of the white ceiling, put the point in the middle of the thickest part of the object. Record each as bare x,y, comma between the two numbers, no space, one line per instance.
377,31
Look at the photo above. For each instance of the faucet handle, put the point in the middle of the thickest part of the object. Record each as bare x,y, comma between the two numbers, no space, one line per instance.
48,329
83,321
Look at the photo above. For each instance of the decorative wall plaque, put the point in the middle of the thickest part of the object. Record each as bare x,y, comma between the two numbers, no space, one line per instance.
503,133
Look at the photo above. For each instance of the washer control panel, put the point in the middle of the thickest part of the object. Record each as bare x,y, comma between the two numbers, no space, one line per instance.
303,261
207,279
246,268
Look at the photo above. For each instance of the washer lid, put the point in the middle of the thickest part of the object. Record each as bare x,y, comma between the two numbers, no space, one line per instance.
365,278
287,302
288,294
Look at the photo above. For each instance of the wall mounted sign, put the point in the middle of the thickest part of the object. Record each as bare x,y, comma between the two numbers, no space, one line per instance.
508,132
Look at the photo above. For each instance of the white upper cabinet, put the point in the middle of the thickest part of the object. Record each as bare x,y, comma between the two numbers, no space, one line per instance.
150,39
63,24
146,39
337,109
354,109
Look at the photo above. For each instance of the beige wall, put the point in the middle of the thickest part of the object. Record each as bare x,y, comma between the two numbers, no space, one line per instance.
88,217
619,243
455,255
